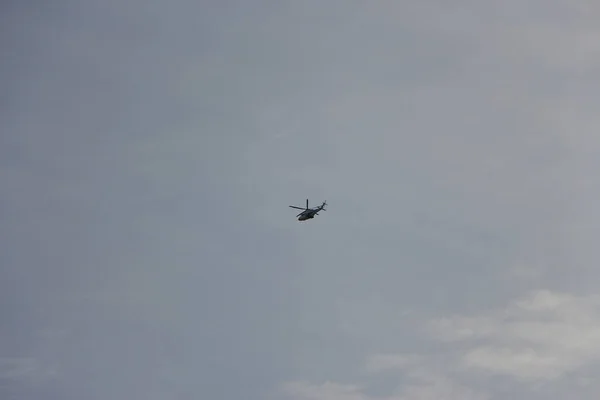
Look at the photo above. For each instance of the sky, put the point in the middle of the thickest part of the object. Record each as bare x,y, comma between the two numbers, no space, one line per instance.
149,152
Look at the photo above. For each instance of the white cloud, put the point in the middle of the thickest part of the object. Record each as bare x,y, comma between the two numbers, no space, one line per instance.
450,329
383,362
538,338
524,363
422,386
415,377
302,390
542,336
435,387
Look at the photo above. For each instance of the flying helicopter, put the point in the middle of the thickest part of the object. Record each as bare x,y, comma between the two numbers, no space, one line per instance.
308,213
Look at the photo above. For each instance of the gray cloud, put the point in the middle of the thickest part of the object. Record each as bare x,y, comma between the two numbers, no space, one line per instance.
149,151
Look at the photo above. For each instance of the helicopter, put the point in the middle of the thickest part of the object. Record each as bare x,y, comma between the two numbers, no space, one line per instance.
309,213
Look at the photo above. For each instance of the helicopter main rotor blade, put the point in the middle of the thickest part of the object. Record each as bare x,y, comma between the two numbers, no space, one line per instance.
307,204
299,208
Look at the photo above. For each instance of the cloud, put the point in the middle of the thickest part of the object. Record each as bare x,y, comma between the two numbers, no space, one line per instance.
24,369
302,390
524,363
541,336
431,386
385,362
153,151
409,376
421,386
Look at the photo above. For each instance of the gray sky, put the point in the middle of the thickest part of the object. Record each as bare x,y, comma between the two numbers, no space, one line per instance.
149,152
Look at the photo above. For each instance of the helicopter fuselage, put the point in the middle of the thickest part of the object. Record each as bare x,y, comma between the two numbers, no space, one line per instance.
306,216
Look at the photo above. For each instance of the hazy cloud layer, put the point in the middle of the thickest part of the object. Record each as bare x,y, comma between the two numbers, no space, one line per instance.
149,151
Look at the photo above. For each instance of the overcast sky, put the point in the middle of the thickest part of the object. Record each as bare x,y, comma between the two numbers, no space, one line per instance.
149,151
